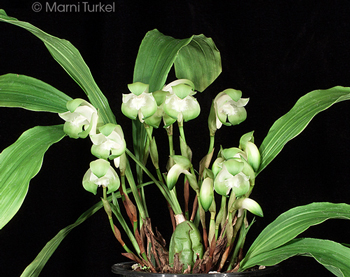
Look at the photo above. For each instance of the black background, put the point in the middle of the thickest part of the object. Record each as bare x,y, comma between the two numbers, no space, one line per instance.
274,51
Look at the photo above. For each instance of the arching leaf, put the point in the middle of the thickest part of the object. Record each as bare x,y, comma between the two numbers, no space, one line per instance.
19,163
25,92
294,122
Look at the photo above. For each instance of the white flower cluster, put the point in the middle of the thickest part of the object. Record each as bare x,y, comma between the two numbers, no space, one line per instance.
108,142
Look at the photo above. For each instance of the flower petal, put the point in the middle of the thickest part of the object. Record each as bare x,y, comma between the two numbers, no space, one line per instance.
127,107
192,109
99,167
138,88
238,116
89,185
182,90
100,151
114,182
149,106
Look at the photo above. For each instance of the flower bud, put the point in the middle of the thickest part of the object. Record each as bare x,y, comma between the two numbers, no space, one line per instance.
182,164
250,205
206,194
251,150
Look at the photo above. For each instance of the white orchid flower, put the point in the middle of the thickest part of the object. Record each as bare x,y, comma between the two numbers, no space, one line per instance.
179,103
109,143
81,118
229,106
139,103
100,173
232,178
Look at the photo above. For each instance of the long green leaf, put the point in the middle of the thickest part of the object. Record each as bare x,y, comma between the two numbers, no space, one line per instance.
199,61
293,123
34,269
196,58
19,163
293,222
36,266
21,91
72,62
334,256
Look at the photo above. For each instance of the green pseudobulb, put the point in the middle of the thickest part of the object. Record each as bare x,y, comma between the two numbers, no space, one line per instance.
187,242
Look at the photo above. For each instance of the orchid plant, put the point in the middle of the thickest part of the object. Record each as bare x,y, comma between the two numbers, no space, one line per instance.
211,234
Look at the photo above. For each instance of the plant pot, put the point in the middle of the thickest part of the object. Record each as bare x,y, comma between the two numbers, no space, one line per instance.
124,270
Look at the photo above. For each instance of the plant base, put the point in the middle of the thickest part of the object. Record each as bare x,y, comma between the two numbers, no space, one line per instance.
124,270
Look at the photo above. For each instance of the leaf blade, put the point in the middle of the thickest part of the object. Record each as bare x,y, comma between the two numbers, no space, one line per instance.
72,62
294,122
20,91
199,61
19,163
36,266
293,222
332,255
196,58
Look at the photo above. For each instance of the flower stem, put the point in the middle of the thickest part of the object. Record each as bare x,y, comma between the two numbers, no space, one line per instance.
163,188
211,145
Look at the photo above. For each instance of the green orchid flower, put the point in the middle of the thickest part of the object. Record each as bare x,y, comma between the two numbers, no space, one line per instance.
102,174
232,177
229,108
81,118
180,104
139,103
109,143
